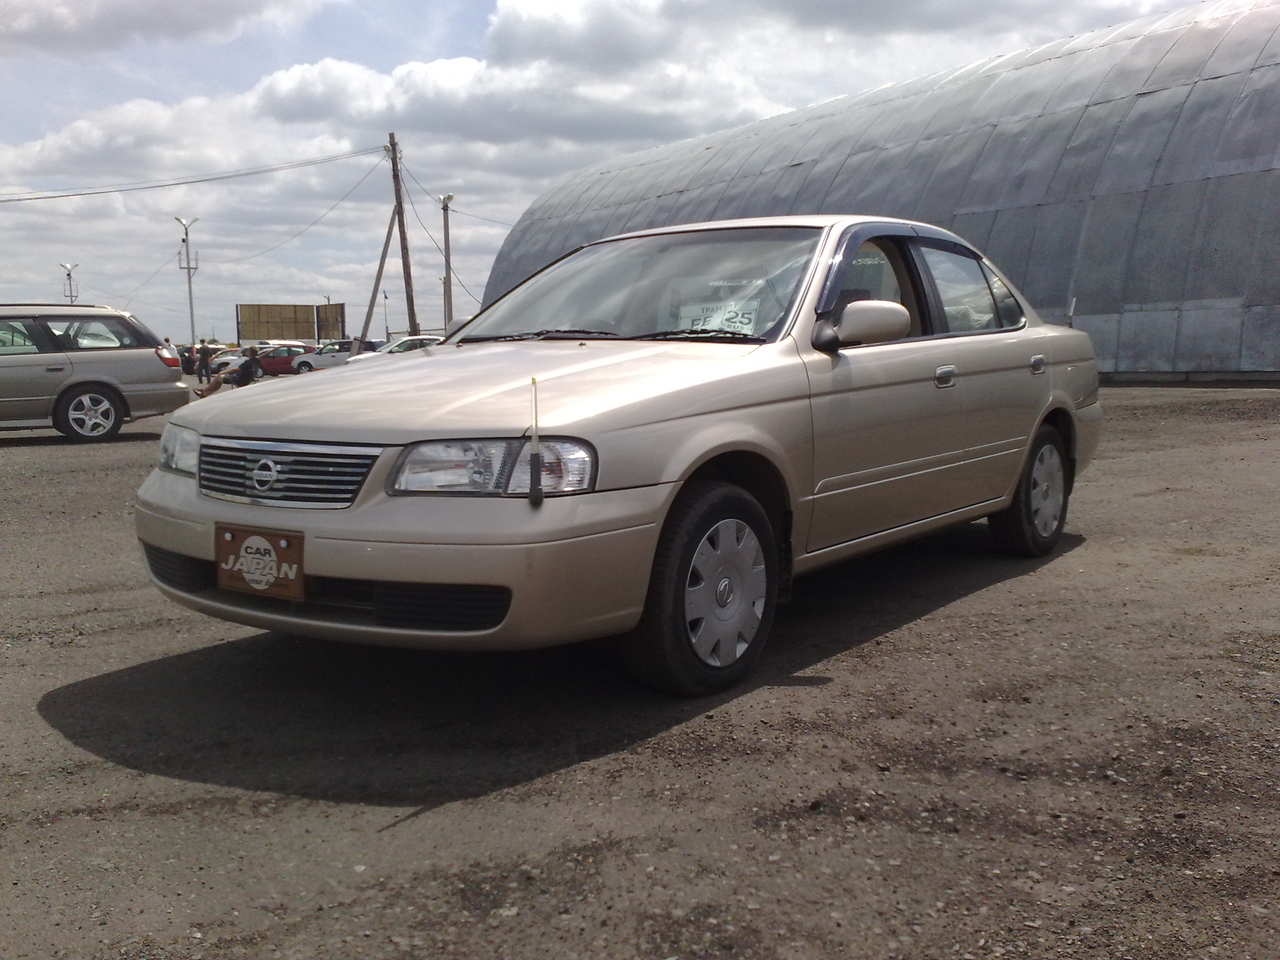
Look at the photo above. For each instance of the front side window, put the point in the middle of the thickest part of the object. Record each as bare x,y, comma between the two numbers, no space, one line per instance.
967,304
708,284
17,337
93,333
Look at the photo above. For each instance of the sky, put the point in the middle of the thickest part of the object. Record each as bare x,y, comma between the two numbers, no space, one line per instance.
492,102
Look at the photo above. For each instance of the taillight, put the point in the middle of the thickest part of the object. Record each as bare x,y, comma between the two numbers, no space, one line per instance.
168,357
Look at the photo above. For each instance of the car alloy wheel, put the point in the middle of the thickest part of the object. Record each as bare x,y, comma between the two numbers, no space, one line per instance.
91,414
725,593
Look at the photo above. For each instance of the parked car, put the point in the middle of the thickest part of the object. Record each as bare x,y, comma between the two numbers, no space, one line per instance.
752,401
279,360
83,370
403,345
281,363
333,354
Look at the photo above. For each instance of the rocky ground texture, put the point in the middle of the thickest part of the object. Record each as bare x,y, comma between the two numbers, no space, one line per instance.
948,753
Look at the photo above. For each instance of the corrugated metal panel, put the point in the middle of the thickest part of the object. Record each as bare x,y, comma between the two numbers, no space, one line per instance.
1132,168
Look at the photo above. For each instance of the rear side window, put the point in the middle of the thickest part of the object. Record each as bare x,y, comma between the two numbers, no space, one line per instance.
17,337
94,333
967,304
1008,309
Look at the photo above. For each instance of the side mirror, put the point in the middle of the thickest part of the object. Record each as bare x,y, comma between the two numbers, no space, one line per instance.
862,322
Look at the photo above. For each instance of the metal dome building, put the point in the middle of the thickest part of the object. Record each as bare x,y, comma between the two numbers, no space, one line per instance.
1130,171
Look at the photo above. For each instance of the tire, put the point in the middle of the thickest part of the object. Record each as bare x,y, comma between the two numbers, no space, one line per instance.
717,556
1032,524
89,413
305,367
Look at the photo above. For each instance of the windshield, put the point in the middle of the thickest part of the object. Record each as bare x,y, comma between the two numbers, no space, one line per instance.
732,284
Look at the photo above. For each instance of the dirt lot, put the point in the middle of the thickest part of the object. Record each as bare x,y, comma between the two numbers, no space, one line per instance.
948,753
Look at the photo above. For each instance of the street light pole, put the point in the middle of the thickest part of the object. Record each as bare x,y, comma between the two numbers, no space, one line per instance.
386,327
69,290
186,248
448,265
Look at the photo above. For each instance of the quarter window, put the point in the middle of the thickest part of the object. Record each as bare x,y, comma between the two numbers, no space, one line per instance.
17,337
1008,309
95,333
967,304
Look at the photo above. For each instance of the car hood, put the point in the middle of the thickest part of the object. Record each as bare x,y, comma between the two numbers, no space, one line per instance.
475,390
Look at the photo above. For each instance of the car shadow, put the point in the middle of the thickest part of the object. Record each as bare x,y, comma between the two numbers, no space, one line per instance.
58,440
390,727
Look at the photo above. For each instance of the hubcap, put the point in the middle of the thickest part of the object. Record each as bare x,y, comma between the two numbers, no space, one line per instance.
725,593
91,414
1048,484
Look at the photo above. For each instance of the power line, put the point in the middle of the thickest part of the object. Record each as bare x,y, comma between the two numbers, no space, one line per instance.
332,207
136,290
476,216
453,209
186,181
428,232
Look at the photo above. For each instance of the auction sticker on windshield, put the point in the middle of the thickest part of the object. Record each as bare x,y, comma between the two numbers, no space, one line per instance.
267,563
720,315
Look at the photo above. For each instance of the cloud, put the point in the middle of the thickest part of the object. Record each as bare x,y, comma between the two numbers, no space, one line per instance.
560,85
65,26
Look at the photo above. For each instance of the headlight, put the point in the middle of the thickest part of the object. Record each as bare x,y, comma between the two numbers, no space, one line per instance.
493,467
179,450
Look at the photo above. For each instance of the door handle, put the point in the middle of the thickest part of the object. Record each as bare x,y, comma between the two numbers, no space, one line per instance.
1038,363
945,376
54,369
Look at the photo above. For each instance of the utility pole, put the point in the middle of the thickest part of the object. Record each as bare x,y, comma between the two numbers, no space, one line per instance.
377,282
404,237
186,249
386,327
70,289
448,265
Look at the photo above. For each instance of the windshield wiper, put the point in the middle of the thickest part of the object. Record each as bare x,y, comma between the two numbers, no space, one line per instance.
552,334
707,334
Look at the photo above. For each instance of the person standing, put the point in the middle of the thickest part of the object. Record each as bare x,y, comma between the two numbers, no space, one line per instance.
203,356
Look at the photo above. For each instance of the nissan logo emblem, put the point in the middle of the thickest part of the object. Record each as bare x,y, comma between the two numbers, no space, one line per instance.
264,475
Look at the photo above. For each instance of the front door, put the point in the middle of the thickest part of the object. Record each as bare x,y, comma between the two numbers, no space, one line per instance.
31,371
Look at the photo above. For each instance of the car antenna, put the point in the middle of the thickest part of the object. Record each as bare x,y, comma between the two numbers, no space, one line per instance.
535,456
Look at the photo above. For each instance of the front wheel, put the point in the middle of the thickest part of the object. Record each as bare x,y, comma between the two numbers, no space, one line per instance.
305,367
89,413
1032,524
712,594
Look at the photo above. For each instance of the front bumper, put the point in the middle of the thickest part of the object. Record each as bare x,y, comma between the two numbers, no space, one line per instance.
576,567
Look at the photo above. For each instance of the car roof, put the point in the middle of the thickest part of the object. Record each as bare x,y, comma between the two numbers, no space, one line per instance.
57,309
823,221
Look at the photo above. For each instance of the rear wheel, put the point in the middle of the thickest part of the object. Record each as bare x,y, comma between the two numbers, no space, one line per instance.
712,594
1032,524
89,413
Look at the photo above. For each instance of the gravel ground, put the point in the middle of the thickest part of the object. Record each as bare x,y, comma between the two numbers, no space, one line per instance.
947,753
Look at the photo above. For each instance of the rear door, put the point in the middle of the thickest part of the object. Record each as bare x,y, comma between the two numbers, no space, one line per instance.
110,349
32,369
998,373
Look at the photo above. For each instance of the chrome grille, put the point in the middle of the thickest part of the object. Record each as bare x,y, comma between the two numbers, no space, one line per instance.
312,475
